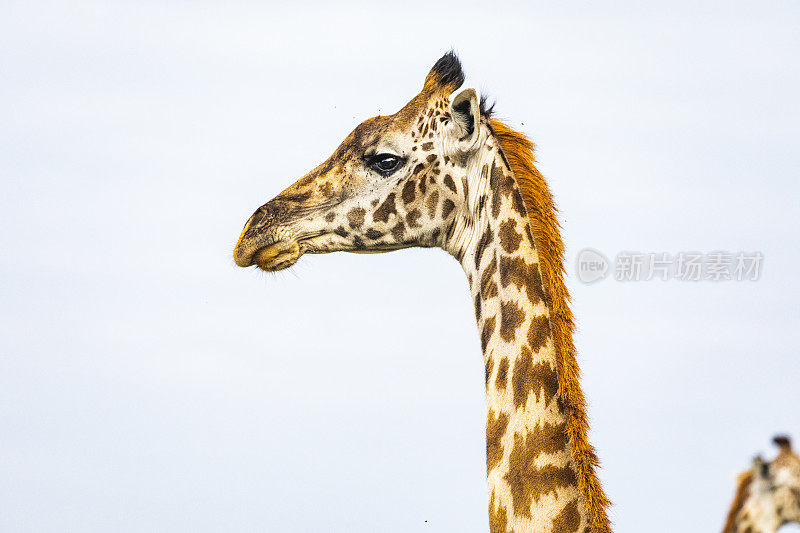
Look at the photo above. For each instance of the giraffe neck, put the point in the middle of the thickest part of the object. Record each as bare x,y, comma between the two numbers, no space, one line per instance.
754,509
532,479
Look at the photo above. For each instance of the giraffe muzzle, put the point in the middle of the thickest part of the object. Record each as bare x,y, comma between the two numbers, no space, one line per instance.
277,256
260,243
270,257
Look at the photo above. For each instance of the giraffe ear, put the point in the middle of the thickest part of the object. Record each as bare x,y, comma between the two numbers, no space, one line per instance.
760,467
466,114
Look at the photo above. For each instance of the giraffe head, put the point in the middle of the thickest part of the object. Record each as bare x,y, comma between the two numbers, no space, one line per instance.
780,480
396,181
768,494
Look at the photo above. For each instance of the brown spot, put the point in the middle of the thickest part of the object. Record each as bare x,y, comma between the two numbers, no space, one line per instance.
495,429
419,168
477,307
518,204
488,365
451,228
509,236
487,331
545,381
568,520
355,217
495,199
502,374
422,186
330,216
326,189
483,242
539,378
521,379
427,146
498,521
307,179
341,232
299,197
399,230
374,234
449,183
529,235
432,203
529,483
501,185
447,207
413,217
357,242
409,192
515,270
386,208
538,332
488,285
511,317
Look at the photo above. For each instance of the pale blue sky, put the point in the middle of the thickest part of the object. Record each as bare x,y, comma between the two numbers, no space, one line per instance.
147,384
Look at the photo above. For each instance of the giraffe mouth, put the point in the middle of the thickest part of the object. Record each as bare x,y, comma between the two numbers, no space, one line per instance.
278,256
266,253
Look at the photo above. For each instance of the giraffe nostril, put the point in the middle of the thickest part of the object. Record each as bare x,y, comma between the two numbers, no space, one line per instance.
257,218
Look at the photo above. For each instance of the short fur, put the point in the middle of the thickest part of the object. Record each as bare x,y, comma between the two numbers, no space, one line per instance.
518,151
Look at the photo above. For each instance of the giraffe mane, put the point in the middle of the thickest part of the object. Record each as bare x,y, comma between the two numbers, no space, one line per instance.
742,484
519,153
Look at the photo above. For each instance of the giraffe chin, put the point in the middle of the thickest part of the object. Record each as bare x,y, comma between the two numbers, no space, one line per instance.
277,256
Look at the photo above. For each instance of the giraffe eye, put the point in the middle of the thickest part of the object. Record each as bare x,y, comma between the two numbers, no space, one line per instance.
385,164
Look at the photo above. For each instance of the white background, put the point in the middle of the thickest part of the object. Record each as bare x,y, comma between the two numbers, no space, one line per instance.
147,384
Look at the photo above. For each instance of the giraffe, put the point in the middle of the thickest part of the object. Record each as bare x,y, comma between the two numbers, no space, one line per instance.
768,494
441,172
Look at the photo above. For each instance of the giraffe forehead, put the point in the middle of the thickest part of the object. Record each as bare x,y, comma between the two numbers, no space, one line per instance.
363,140
787,461
787,474
378,131
398,133
391,131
